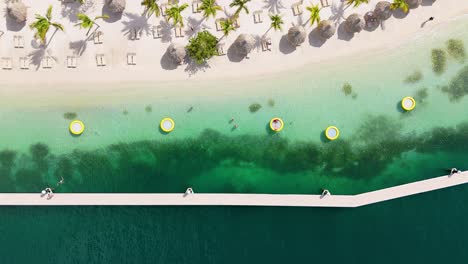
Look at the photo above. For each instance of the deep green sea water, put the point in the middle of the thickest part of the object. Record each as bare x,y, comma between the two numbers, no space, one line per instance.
428,228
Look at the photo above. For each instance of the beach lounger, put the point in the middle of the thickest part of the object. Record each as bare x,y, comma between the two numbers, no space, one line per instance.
324,3
71,62
164,9
220,48
218,23
179,33
1,33
24,63
18,42
7,63
258,16
134,34
266,44
131,58
297,9
98,37
196,6
47,62
100,60
157,31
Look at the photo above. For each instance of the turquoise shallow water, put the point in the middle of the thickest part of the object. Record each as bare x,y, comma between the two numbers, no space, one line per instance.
379,145
427,228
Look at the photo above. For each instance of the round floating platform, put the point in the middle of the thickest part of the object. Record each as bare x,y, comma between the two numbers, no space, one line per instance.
408,103
167,125
276,124
332,132
76,127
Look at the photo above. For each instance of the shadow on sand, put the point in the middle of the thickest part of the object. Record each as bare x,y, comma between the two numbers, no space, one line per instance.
399,14
233,56
113,17
315,40
12,25
136,21
343,34
284,46
167,63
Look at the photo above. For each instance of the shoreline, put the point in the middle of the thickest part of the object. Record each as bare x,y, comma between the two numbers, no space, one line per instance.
261,65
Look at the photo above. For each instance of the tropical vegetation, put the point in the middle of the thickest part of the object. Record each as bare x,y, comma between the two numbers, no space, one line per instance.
43,24
202,47
357,3
87,22
241,5
151,7
400,4
314,13
209,8
227,26
276,22
175,14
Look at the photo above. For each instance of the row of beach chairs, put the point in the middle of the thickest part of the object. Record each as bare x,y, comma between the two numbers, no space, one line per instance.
297,8
48,62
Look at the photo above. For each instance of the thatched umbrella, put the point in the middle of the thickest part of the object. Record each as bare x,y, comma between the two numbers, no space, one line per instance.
296,35
244,44
414,3
326,29
116,6
176,53
372,21
18,11
354,23
382,10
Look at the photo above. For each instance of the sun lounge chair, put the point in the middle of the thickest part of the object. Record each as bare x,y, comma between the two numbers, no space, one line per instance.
258,16
297,9
47,62
266,44
324,3
98,37
1,33
196,7
157,31
7,63
134,34
179,33
71,62
220,48
164,9
100,60
131,58
24,63
218,23
18,42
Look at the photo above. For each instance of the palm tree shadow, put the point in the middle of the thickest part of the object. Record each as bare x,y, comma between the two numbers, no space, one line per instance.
273,6
79,46
337,12
136,21
70,10
194,26
284,46
166,31
193,67
36,57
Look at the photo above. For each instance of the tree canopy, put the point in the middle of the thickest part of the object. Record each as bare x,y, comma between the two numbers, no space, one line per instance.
202,47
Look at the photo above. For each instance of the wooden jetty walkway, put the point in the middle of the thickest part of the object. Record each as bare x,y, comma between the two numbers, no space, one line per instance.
225,199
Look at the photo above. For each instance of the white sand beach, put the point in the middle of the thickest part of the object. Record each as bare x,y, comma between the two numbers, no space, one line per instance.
151,64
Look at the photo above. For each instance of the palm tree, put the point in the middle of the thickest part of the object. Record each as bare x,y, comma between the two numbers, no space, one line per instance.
400,4
174,13
209,8
276,23
42,25
356,2
227,26
240,6
87,22
314,13
151,7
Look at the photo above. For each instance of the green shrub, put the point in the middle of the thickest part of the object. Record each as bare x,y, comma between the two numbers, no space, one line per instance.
202,47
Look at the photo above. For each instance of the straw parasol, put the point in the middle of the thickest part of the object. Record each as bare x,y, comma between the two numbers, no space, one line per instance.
382,10
372,21
177,53
17,11
116,6
354,23
414,3
297,35
326,29
244,44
